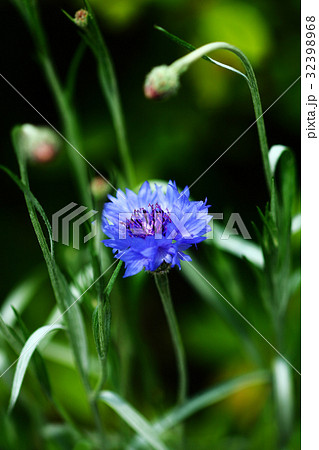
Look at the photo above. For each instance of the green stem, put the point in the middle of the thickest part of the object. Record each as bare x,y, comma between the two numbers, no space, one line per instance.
31,15
114,103
70,129
108,81
162,284
182,64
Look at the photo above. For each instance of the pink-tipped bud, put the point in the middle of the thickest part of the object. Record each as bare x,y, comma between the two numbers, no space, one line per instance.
99,188
162,82
81,18
44,153
40,144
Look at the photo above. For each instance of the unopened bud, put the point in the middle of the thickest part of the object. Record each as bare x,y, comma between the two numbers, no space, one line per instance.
161,82
39,144
99,188
81,18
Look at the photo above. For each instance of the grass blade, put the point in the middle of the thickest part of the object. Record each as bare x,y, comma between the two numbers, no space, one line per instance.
133,418
25,189
24,359
208,398
236,245
38,363
213,299
66,302
10,335
113,278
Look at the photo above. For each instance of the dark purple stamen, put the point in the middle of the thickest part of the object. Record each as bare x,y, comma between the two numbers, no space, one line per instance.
148,222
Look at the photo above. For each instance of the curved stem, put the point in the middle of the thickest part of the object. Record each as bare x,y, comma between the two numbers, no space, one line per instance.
162,284
182,64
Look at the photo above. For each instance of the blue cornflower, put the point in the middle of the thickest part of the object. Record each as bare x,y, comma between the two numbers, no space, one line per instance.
152,229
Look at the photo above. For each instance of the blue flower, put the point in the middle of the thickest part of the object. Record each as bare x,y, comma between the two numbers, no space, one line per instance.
152,228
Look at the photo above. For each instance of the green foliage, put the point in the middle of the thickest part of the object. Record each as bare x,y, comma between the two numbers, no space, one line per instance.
276,235
93,37
133,418
24,359
128,352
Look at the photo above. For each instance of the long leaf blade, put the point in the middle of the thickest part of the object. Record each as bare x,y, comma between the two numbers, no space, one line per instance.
25,356
133,418
25,189
208,398
66,302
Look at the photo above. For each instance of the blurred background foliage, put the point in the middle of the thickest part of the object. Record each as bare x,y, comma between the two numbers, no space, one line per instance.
168,140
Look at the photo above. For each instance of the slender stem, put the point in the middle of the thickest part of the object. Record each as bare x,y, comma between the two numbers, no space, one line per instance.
70,129
182,64
110,90
113,98
162,284
31,15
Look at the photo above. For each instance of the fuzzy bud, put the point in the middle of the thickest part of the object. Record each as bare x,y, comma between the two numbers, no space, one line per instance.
99,188
40,144
162,82
81,18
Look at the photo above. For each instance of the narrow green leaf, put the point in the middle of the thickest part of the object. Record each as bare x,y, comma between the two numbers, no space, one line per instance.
101,322
210,397
74,69
21,324
113,278
287,182
283,395
296,224
270,226
235,245
274,155
39,365
25,356
133,418
34,201
179,414
11,336
216,301
66,302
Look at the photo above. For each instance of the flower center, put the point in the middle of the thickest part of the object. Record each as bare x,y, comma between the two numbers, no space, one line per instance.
148,222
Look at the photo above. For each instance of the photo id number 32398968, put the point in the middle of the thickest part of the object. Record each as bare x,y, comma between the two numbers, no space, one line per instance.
312,100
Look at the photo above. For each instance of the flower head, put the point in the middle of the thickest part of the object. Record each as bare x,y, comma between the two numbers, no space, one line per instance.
151,229
81,18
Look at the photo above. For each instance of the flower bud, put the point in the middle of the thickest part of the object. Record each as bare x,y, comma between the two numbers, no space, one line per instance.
161,82
39,144
81,18
99,188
